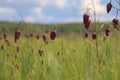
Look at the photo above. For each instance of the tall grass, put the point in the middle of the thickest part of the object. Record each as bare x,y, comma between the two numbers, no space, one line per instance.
78,62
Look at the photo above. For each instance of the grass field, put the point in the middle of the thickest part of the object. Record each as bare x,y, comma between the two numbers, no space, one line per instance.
69,57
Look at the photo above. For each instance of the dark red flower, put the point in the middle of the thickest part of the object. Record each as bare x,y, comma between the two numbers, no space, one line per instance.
85,18
115,21
109,7
52,34
87,25
5,35
94,35
86,34
107,31
37,36
31,34
17,35
86,21
7,41
45,38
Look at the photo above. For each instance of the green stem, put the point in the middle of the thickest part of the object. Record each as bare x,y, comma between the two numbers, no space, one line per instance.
62,42
95,28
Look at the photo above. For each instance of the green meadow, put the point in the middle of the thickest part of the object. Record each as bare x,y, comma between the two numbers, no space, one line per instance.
70,56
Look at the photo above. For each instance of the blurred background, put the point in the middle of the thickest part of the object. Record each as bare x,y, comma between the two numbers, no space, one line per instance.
52,11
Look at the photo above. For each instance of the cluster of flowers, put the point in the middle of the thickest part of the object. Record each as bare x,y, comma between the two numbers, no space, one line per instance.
17,35
87,22
115,21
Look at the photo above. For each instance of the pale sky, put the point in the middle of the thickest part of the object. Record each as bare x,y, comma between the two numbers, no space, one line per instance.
51,11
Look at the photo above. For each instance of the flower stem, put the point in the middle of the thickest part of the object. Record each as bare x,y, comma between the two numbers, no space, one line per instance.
95,28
